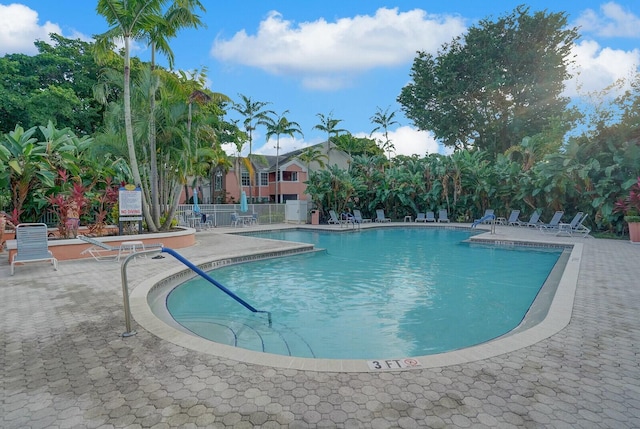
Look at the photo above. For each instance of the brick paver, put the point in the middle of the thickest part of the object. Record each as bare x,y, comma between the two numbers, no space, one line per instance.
64,364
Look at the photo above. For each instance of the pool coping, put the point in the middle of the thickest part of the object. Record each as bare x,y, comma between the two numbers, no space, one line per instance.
557,318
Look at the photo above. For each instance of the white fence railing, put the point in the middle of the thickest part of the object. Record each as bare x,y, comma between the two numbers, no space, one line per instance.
221,213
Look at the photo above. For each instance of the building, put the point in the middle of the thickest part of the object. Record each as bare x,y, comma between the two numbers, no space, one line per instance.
293,173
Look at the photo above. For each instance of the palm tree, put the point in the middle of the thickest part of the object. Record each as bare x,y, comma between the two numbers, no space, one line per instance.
254,115
179,15
143,20
384,120
312,154
278,127
328,124
128,20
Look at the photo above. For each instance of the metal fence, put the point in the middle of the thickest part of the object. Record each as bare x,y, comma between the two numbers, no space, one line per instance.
220,214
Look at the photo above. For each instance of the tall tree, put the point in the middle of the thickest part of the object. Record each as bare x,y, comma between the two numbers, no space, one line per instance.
383,120
495,85
254,114
179,15
281,125
329,125
129,20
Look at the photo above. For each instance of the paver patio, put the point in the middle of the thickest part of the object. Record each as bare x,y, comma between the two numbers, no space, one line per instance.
64,364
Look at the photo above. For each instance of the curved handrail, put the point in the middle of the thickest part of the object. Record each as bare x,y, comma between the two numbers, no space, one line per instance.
211,280
482,219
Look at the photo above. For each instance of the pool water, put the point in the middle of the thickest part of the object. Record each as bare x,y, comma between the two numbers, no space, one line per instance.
392,292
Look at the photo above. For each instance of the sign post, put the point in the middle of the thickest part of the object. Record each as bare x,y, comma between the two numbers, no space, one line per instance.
130,206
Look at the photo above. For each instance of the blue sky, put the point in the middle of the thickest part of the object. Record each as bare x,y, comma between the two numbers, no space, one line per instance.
341,57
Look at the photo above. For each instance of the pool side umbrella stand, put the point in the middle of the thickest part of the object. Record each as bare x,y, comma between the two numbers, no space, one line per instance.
196,207
244,207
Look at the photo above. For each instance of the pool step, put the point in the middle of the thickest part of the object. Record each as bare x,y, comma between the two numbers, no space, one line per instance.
249,334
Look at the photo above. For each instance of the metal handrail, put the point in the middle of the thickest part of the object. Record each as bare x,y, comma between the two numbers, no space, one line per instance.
207,277
125,285
125,288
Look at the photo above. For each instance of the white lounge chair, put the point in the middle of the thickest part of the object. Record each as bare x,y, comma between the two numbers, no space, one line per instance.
32,245
487,217
333,218
431,217
580,228
421,217
357,214
443,216
99,251
568,228
380,217
552,226
534,220
513,218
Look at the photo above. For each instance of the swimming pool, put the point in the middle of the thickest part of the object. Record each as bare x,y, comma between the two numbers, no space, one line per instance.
373,293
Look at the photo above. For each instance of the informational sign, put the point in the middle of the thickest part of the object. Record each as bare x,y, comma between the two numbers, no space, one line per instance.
388,364
130,201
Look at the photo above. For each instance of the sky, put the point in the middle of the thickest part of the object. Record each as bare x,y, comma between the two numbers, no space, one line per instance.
344,58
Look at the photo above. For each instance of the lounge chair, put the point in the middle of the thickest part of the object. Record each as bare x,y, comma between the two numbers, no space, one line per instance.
513,218
102,251
431,217
568,228
534,220
333,219
553,223
380,216
357,214
443,216
32,245
580,228
487,217
421,217
99,251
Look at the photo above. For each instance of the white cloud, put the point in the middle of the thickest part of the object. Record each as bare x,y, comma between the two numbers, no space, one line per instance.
409,141
614,21
19,28
328,54
596,68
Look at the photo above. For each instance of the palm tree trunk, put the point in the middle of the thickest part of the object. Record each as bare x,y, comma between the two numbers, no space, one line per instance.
128,127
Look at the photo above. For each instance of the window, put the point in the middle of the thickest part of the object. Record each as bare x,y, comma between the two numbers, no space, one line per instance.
264,179
218,182
289,176
246,181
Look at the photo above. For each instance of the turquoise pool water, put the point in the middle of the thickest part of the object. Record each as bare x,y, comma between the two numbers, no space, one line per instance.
384,293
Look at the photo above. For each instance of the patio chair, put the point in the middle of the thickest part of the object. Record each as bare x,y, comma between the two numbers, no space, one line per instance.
534,220
431,217
333,218
568,228
357,214
513,218
421,217
99,251
32,245
580,228
380,217
552,226
487,217
235,220
443,216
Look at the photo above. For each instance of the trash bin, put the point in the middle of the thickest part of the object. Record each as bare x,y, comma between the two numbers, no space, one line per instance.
315,217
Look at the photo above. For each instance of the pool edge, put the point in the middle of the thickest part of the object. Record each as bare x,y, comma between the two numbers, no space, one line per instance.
557,318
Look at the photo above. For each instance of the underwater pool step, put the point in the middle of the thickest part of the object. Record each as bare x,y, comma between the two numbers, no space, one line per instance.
249,334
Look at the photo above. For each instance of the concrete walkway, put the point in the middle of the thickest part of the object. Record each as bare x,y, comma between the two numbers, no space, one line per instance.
64,364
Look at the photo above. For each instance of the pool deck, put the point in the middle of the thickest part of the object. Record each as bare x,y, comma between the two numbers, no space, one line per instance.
64,363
